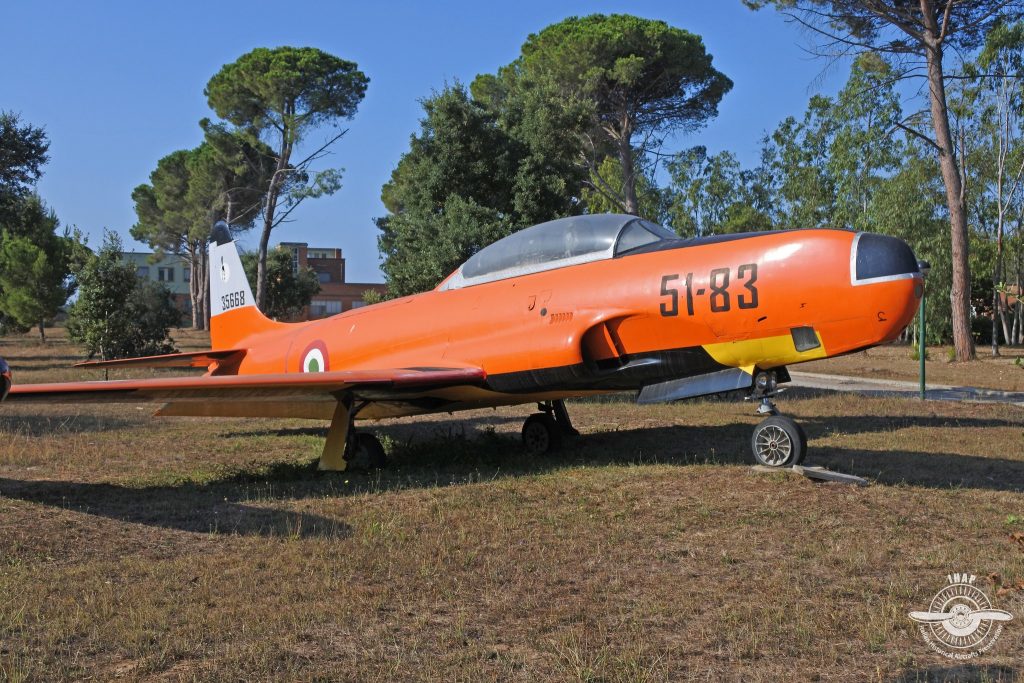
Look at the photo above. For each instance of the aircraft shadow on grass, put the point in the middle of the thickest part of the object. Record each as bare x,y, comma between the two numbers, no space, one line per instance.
220,507
457,452
963,673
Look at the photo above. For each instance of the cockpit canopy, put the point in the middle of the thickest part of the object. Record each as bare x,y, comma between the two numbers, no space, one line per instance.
557,244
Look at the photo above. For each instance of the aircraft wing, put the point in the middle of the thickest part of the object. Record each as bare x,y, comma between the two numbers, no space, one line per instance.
273,395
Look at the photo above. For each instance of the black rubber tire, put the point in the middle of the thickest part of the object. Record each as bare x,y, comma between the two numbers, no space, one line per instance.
365,453
803,443
778,441
541,434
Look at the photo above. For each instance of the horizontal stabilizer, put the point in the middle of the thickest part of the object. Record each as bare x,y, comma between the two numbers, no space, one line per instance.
200,359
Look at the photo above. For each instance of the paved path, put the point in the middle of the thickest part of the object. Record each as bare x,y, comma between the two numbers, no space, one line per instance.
894,387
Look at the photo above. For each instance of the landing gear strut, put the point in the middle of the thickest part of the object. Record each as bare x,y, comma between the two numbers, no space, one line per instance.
543,432
345,448
777,441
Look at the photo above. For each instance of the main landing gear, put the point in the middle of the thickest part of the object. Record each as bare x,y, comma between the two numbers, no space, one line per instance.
777,441
346,449
543,432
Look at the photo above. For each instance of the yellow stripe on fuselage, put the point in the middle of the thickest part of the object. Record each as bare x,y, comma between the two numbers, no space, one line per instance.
765,352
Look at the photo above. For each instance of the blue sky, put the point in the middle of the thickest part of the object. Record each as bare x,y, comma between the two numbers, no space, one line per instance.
117,85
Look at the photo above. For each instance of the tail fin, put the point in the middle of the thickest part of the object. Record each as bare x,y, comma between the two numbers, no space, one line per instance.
233,312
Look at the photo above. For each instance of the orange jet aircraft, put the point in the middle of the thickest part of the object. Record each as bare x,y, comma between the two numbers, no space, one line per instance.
573,307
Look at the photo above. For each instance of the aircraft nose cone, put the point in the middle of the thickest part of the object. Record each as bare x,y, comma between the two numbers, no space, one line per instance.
877,258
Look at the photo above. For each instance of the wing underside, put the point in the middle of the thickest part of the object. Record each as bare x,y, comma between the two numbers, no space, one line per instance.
310,395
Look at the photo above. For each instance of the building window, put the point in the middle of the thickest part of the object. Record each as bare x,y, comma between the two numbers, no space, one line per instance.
323,277
358,303
142,271
295,260
321,307
187,276
165,274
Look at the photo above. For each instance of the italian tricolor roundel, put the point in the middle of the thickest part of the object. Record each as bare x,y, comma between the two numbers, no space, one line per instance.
314,358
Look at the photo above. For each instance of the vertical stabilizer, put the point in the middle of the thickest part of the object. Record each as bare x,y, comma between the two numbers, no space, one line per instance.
233,312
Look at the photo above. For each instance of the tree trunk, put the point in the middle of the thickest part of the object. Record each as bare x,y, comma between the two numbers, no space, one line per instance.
42,331
997,277
960,293
261,265
193,289
631,205
204,285
1004,320
283,158
1015,334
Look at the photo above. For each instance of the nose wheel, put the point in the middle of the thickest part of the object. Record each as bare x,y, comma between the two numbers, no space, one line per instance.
777,441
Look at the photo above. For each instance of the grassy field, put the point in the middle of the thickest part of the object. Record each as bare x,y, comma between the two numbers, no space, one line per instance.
139,548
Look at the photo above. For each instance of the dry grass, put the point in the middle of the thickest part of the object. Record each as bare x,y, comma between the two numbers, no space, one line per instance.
894,361
192,549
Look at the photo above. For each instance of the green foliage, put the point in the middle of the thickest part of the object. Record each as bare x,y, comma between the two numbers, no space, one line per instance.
286,88
897,27
282,94
166,220
372,296
421,249
33,283
651,201
509,155
117,315
224,178
288,292
917,36
36,266
624,77
910,205
710,195
23,150
659,76
461,186
828,166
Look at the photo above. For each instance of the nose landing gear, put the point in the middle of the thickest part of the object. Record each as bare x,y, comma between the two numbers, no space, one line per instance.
777,441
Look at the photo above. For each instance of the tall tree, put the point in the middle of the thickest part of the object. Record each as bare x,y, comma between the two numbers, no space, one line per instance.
919,32
23,150
34,280
452,193
284,93
224,178
636,79
992,133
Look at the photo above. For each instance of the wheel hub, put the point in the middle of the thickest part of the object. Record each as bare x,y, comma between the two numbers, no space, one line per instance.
774,445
